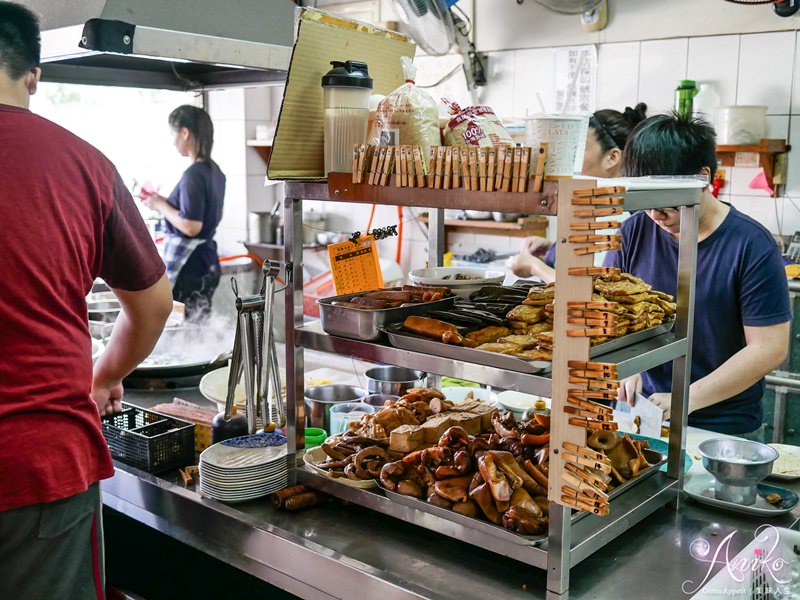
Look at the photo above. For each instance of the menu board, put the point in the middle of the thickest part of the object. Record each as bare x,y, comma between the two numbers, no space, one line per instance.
355,266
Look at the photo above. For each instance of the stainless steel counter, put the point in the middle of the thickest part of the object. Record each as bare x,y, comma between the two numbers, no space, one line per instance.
340,550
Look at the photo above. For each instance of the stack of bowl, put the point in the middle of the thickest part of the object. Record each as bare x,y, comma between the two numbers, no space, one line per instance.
737,466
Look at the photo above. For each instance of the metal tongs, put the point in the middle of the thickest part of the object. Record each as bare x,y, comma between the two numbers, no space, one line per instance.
255,356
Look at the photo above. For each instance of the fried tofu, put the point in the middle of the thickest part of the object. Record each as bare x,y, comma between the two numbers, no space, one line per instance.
528,314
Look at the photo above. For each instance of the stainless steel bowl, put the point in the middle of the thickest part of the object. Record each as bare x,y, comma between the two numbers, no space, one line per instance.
379,400
395,381
105,311
737,466
320,398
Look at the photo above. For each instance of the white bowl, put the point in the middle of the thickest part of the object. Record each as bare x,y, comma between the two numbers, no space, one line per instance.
517,402
437,276
478,215
459,394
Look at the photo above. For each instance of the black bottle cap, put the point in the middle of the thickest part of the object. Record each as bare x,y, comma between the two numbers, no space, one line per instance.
350,73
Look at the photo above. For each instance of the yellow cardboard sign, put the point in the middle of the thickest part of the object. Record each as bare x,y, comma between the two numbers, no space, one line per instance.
297,152
355,267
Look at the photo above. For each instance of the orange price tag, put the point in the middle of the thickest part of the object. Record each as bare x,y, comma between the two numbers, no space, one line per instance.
355,267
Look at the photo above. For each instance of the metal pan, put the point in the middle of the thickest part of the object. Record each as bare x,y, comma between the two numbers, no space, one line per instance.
404,340
367,325
185,351
417,343
470,522
655,458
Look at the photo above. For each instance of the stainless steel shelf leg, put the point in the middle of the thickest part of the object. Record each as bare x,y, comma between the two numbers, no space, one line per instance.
558,546
293,252
684,323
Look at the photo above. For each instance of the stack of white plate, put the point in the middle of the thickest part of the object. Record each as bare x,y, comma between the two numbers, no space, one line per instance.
236,474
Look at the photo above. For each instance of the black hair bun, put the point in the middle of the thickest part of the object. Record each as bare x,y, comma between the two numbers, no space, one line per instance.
636,114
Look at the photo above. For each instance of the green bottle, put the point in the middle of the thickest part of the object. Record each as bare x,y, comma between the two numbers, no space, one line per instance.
684,95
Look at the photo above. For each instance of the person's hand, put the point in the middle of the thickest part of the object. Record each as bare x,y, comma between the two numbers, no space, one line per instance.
151,200
535,246
663,401
107,396
522,265
628,388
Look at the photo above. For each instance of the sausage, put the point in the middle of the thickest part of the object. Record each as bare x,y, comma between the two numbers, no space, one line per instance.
306,500
390,295
353,305
372,302
280,497
429,327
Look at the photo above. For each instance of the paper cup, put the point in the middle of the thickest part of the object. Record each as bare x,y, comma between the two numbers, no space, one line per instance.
565,136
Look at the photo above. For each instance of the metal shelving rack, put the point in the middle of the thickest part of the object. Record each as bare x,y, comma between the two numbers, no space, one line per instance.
570,539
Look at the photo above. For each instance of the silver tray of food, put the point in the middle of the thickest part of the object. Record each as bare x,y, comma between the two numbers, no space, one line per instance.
399,338
475,524
338,317
654,458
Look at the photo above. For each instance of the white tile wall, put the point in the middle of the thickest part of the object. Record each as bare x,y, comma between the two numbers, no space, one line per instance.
739,183
661,67
501,73
793,178
714,60
765,70
533,72
618,75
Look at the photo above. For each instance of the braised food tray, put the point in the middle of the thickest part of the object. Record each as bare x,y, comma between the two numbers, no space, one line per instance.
476,524
399,338
366,324
656,459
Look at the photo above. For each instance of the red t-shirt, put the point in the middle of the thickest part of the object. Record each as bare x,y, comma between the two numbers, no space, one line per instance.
65,219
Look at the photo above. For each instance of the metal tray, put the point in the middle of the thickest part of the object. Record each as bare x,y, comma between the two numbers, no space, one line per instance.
367,324
417,343
656,460
465,521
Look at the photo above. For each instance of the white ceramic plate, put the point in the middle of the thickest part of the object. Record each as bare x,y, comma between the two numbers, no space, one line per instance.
437,276
220,455
517,402
700,486
787,466
214,386
317,455
459,394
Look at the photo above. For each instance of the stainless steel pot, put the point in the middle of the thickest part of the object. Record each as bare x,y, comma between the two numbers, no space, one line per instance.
393,380
320,398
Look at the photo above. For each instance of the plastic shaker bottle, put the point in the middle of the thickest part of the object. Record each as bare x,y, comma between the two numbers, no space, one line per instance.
347,88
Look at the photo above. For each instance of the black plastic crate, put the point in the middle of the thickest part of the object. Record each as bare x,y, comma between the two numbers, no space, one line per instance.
148,440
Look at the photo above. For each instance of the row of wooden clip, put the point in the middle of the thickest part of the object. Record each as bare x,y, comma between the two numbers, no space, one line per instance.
583,487
610,205
597,317
473,168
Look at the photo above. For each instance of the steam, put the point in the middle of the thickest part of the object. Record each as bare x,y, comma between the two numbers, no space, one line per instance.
193,343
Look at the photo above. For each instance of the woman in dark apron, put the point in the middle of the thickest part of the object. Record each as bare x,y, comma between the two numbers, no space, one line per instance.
192,213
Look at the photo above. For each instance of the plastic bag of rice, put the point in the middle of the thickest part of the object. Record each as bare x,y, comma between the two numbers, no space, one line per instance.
407,116
475,126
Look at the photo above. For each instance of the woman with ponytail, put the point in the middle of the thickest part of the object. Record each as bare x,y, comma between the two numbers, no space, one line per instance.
608,133
192,213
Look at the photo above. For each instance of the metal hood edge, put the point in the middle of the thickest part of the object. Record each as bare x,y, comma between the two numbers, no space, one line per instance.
202,55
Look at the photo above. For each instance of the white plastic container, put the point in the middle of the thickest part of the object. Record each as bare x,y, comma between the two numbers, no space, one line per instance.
706,103
741,124
346,88
565,136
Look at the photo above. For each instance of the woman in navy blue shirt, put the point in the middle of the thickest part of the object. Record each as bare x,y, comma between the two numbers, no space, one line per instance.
192,213
742,315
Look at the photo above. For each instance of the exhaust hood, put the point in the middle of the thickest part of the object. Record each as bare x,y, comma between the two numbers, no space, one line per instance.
177,45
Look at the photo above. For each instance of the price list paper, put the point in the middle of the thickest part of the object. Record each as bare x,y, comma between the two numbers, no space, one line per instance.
355,266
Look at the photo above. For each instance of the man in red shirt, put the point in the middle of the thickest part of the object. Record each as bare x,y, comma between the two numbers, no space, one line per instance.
65,219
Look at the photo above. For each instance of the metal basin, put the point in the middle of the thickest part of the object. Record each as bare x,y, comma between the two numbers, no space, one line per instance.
395,381
320,398
737,466
103,306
